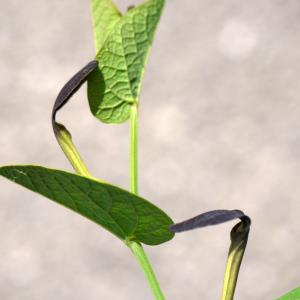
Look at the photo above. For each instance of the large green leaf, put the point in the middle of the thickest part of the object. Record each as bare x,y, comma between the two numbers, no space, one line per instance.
292,295
122,213
105,15
115,85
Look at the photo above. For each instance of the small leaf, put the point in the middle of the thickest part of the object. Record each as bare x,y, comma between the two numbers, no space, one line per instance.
126,215
292,295
114,87
105,15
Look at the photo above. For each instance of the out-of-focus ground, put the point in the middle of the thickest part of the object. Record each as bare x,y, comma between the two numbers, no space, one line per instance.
219,128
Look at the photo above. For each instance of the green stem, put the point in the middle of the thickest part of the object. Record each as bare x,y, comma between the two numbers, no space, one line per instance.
143,260
64,139
134,149
136,247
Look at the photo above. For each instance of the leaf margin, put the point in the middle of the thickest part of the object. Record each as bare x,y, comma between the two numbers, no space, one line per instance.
152,237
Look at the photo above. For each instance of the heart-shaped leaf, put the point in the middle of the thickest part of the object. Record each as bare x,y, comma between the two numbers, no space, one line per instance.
115,85
105,15
126,215
292,295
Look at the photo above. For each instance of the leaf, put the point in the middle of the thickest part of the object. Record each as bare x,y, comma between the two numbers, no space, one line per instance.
115,85
105,15
126,215
292,295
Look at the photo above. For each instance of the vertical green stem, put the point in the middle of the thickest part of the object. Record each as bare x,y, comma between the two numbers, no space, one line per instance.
134,149
143,260
136,247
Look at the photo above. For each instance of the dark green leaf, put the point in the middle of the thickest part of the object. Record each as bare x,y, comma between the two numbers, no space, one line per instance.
122,213
115,85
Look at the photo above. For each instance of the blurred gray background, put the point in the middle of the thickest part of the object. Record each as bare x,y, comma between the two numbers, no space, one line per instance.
219,128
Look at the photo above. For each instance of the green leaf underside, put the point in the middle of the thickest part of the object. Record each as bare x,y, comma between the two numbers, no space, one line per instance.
122,213
105,15
115,85
292,295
